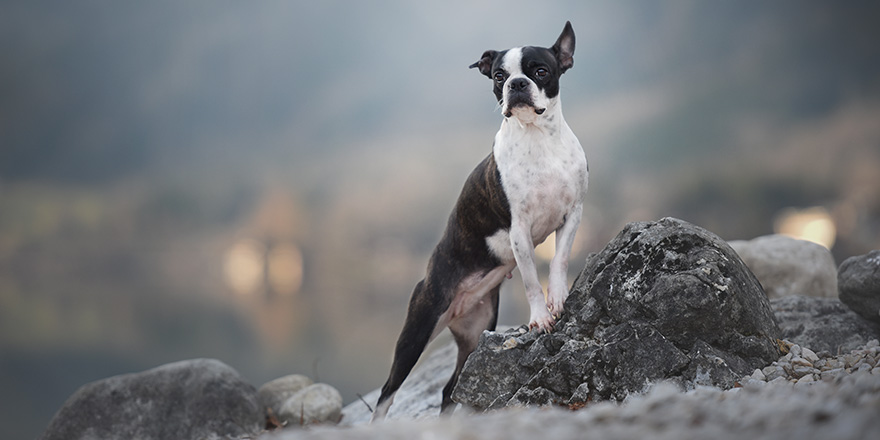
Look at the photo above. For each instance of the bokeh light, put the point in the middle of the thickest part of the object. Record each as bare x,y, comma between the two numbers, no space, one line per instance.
812,224
244,267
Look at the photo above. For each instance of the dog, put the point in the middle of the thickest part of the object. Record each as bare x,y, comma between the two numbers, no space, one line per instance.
531,185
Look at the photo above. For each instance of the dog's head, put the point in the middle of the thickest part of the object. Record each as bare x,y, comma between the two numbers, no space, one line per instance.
526,79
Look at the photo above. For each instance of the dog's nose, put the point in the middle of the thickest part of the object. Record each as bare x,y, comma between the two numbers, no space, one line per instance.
519,84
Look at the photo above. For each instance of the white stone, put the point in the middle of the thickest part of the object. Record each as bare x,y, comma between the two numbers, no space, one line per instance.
787,266
274,393
809,355
806,379
319,403
758,375
801,361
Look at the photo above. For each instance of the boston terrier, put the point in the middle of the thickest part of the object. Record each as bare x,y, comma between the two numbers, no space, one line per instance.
531,185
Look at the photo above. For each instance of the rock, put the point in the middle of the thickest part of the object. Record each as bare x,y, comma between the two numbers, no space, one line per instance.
664,300
810,355
418,397
315,404
758,375
201,398
859,282
822,324
844,409
787,266
806,379
274,393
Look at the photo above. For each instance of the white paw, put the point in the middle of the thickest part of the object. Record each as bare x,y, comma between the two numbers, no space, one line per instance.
542,320
556,297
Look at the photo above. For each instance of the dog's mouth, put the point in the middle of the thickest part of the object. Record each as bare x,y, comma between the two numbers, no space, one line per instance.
518,101
509,112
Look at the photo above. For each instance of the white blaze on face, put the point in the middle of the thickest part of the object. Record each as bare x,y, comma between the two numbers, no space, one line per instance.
512,64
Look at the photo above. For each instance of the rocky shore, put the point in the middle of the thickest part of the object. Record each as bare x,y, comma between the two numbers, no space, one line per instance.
667,334
844,407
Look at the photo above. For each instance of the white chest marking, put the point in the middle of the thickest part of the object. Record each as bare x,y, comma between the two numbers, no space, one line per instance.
544,174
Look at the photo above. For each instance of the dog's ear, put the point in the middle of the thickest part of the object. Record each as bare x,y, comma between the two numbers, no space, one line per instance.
564,48
485,63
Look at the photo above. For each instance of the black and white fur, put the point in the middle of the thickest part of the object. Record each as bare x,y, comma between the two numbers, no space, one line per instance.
531,185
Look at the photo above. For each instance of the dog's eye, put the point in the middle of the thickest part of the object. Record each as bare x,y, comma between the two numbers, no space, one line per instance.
499,77
542,72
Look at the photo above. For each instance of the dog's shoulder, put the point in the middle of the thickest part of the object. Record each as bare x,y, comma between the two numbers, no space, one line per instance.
484,185
483,192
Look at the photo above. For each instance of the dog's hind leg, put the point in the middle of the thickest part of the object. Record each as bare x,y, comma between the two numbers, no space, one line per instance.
424,320
467,330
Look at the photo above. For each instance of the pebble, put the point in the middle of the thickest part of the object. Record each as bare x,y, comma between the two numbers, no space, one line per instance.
806,379
809,355
829,375
753,383
759,375
779,379
799,371
850,359
801,361
508,344
778,372
802,365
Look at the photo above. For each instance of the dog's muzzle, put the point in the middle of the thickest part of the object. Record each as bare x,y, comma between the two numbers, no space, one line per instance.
519,94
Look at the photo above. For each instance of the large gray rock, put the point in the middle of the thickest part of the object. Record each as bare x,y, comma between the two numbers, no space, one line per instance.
787,266
859,282
822,324
663,300
195,399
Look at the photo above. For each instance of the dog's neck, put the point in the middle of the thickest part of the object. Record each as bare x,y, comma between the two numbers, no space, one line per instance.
525,121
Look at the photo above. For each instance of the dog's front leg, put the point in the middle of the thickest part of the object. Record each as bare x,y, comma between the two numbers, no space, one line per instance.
524,253
557,290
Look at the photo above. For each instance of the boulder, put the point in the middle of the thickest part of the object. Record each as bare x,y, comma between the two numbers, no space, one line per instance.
822,324
786,266
664,301
859,283
201,398
315,404
274,393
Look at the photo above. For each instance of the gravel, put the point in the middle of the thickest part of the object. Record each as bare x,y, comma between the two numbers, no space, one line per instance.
803,395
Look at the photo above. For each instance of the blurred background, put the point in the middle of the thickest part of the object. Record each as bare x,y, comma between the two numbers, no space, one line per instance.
263,182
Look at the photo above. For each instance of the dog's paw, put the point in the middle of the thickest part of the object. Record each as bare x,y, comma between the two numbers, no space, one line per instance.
556,296
556,301
542,320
